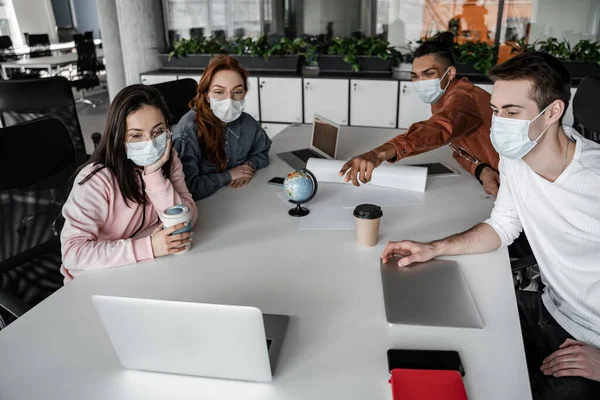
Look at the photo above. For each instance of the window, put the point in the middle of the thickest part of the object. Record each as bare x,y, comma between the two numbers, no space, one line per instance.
531,20
226,18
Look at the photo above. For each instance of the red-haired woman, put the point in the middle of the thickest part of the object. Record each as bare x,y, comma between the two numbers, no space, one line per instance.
217,142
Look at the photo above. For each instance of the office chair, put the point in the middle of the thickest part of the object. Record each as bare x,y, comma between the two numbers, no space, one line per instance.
87,70
586,110
31,199
39,45
65,33
177,96
29,99
88,35
6,48
7,52
197,33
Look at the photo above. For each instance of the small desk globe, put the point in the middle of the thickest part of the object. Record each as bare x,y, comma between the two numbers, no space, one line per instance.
300,187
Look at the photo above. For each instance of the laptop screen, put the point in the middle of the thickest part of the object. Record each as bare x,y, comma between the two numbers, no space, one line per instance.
325,137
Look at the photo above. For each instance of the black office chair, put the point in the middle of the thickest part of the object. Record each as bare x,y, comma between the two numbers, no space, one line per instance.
87,70
26,100
31,199
178,95
88,35
586,109
7,52
196,33
39,45
65,33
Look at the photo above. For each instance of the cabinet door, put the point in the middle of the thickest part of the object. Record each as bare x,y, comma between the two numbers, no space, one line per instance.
252,106
281,99
568,118
326,97
373,103
273,129
154,79
411,109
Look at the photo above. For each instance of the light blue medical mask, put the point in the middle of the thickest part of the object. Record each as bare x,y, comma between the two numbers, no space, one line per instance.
429,90
148,152
510,137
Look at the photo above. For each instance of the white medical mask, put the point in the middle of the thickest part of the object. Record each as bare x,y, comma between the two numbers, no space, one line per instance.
429,90
510,137
227,110
148,152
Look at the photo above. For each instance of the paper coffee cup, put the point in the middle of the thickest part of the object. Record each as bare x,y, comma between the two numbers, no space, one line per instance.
368,217
176,215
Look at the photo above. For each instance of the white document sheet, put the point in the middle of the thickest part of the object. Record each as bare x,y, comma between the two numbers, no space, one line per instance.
349,196
391,176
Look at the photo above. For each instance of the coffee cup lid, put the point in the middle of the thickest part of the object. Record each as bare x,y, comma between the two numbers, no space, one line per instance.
368,211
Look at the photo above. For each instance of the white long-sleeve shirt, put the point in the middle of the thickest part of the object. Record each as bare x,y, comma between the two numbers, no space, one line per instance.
562,223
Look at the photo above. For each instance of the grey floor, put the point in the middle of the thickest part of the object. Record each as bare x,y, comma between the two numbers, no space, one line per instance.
92,119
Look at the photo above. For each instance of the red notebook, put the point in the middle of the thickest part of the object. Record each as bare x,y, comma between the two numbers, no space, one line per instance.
422,384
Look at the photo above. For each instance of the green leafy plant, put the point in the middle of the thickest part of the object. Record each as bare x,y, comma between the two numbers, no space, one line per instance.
353,47
480,54
310,53
587,51
183,47
521,46
552,46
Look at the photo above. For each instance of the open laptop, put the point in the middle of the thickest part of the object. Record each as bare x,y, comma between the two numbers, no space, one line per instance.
219,341
324,144
434,293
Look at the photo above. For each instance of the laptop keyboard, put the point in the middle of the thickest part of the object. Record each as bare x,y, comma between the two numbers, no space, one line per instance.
305,154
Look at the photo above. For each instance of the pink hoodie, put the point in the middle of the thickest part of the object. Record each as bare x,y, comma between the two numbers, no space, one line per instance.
99,224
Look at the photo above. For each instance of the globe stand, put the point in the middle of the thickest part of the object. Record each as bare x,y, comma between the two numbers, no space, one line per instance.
299,211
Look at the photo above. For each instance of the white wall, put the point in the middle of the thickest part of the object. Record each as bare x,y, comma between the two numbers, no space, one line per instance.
573,20
36,17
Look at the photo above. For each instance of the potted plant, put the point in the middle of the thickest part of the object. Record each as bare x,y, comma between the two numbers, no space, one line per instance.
310,57
474,58
267,53
585,60
357,53
191,53
581,60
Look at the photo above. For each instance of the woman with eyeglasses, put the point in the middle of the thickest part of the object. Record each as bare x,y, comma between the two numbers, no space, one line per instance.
118,194
219,144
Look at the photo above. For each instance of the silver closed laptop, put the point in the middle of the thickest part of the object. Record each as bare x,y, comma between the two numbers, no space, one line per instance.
434,293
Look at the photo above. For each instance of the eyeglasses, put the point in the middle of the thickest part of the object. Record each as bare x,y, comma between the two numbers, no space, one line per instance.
138,141
221,94
464,154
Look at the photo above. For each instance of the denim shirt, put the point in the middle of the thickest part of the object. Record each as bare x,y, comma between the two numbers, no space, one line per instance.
245,141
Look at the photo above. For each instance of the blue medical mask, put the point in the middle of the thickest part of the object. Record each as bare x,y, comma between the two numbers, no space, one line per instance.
429,90
227,110
510,137
147,153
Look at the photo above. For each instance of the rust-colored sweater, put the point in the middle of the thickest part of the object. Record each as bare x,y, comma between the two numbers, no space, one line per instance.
462,116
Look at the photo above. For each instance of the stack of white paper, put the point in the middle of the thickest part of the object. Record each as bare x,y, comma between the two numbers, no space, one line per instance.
396,177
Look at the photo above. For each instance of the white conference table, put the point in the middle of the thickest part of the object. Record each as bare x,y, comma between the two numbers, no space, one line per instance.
48,63
248,251
21,50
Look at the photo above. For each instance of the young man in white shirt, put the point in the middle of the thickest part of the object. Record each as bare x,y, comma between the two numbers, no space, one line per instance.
550,188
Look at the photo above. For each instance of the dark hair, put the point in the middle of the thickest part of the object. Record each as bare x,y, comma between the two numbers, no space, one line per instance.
550,78
210,128
439,46
111,152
